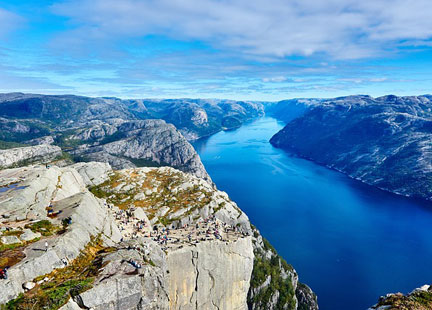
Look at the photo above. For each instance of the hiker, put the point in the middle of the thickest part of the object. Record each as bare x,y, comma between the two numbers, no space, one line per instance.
46,246
135,264
64,261
3,273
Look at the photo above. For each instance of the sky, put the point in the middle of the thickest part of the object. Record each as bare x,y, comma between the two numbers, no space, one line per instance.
264,50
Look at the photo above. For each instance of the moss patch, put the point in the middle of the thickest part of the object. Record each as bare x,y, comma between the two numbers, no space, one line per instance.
44,227
419,300
63,283
167,194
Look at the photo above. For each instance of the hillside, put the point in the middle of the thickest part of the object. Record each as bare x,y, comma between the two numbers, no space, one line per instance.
38,115
384,142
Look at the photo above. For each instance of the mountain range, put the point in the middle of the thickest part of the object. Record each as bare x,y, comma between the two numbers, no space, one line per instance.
384,141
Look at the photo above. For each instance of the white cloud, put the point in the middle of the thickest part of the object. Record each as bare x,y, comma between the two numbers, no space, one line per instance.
275,79
278,28
9,22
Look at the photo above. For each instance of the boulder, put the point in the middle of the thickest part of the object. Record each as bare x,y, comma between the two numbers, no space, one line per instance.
28,285
10,239
140,214
93,173
28,235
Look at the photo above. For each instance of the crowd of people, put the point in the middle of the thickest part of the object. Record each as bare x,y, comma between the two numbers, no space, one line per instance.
130,226
171,236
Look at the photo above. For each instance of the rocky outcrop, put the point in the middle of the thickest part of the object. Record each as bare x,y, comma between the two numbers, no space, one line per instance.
93,173
35,188
24,155
419,299
381,141
64,189
41,140
212,257
142,143
122,286
306,298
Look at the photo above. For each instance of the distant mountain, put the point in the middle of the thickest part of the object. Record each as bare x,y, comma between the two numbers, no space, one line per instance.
121,132
385,141
195,118
287,110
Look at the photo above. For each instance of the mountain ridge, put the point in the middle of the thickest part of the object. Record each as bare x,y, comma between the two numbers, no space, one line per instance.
381,141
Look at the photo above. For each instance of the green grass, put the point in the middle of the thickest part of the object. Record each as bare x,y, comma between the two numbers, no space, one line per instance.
53,296
44,227
12,233
4,247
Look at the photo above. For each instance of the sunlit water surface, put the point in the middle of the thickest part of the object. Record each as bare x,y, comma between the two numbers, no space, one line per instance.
350,242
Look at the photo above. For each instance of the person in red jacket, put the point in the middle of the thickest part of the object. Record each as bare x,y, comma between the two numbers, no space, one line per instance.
3,273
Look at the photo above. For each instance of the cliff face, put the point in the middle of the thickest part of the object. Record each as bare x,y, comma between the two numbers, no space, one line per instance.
381,141
108,247
212,275
20,155
126,144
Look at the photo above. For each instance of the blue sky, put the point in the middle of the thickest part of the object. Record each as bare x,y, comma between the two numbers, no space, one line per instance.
238,49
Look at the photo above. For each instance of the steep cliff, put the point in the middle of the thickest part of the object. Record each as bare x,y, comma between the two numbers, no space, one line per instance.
141,238
382,141
126,144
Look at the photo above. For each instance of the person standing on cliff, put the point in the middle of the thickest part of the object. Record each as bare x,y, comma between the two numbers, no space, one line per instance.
46,246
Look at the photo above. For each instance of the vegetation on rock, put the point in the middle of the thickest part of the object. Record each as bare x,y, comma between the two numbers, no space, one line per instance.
54,290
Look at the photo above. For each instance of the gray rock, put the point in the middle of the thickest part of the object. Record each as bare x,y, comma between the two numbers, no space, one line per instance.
41,140
212,275
28,235
148,142
89,218
10,240
93,173
140,214
28,285
18,155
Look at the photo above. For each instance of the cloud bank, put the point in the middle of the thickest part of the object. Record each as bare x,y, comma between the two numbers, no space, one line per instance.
342,29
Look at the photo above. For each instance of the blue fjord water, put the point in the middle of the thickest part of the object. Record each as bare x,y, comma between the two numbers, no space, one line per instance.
350,242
